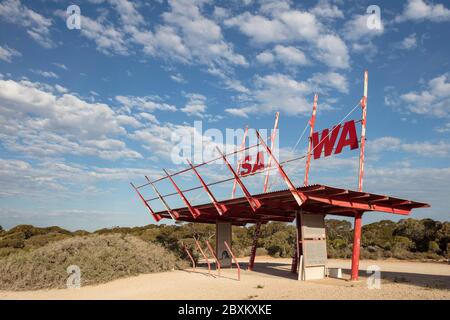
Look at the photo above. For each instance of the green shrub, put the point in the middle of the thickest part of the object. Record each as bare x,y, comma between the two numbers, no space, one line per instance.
101,258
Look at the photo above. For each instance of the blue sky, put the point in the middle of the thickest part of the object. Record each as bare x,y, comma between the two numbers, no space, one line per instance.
83,112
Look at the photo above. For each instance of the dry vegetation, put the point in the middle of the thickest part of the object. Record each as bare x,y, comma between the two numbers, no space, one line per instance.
101,258
32,257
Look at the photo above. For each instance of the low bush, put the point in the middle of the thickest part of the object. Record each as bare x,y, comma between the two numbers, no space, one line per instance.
101,258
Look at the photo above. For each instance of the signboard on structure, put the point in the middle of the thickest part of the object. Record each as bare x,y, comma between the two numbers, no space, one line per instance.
314,246
223,233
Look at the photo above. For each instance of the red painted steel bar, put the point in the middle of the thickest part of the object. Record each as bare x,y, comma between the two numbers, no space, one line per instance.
358,216
214,255
298,196
155,216
194,211
272,145
233,192
251,262
203,254
221,208
255,204
190,256
234,259
312,121
198,165
172,213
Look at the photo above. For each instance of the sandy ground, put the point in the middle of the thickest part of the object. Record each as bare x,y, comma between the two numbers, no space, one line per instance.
270,280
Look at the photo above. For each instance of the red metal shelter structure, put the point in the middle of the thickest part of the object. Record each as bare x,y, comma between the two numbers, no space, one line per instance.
282,205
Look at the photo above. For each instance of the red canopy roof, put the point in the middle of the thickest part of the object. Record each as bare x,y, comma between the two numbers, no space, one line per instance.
281,206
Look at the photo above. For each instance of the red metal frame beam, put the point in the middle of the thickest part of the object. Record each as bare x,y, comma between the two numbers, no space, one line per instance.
312,121
360,206
203,254
234,259
298,196
221,208
255,204
194,211
172,214
251,262
358,216
190,256
272,145
155,216
214,255
233,192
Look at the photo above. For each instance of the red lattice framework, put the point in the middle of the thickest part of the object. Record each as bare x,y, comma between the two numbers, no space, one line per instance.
281,205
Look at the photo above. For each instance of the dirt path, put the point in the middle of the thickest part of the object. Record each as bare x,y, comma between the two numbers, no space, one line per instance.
270,280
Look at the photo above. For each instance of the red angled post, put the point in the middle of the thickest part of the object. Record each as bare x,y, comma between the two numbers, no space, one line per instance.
255,204
221,208
312,121
298,196
272,146
203,254
233,193
358,215
155,216
190,256
172,213
194,211
214,255
251,262
234,259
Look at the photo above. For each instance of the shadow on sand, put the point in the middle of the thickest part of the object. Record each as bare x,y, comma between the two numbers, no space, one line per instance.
416,279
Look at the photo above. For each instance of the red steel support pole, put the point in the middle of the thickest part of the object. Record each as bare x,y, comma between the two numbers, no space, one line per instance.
214,255
358,215
311,131
203,254
272,145
251,262
298,196
233,193
194,211
255,204
172,213
155,216
221,208
234,259
190,256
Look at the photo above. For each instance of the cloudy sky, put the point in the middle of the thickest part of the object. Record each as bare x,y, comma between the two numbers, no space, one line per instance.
85,111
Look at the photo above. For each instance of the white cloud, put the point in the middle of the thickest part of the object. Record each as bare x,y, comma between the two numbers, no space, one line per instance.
409,43
356,29
280,92
331,80
326,10
435,101
290,55
60,65
287,55
37,120
419,10
7,53
45,74
288,26
13,11
196,105
108,39
332,51
423,148
265,57
145,103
